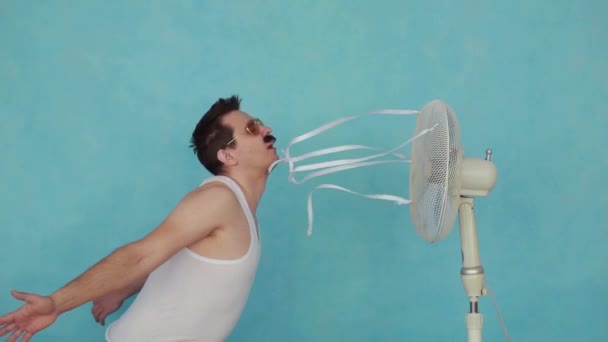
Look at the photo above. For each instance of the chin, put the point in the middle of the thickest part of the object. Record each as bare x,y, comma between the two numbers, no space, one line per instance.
275,155
271,161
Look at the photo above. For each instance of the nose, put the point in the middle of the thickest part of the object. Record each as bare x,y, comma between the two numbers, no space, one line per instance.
266,130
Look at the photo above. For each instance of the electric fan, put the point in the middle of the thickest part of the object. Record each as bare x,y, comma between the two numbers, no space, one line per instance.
443,184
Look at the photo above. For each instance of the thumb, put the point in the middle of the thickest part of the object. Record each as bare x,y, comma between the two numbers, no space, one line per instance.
21,295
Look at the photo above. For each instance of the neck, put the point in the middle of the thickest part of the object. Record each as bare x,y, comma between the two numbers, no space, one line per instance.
253,186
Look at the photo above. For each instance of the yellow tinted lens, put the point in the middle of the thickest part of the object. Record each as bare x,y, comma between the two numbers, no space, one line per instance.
253,127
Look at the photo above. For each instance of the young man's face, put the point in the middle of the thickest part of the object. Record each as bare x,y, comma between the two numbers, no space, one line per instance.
252,145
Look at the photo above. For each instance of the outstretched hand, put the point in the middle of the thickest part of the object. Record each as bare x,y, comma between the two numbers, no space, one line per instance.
37,313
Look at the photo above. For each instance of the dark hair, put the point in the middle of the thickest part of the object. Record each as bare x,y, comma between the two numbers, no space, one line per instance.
210,135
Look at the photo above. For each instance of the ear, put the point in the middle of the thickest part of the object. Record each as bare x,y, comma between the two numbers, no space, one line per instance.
226,157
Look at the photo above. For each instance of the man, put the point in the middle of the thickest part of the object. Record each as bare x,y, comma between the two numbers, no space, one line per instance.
195,270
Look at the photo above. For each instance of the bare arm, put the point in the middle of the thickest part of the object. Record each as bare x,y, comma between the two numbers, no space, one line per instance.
195,217
127,291
133,288
130,289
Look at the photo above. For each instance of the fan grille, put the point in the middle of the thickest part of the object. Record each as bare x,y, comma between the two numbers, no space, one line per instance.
435,172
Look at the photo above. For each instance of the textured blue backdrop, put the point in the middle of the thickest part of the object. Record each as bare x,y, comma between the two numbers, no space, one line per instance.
98,99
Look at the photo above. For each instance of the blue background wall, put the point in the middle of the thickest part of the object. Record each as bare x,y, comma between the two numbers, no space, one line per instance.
98,100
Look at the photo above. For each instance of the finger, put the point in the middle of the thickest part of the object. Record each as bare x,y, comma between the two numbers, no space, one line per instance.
18,294
14,336
7,318
102,318
27,336
24,296
7,329
98,311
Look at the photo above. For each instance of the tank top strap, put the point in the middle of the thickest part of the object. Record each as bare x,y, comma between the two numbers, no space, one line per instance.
240,195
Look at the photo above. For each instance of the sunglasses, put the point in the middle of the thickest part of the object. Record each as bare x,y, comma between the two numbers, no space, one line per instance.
252,128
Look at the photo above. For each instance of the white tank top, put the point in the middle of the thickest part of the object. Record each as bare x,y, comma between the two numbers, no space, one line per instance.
190,297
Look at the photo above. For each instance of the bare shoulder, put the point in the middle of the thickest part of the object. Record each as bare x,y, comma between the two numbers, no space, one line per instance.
196,216
214,194
206,206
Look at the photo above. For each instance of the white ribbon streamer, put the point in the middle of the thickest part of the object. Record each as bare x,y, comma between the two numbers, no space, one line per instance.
398,200
344,164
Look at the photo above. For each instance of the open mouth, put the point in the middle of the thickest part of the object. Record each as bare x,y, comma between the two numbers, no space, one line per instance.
270,139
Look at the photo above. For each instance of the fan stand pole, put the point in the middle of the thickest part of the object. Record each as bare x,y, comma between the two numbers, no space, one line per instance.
471,273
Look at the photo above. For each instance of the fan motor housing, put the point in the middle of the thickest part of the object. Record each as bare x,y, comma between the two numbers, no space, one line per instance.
478,177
